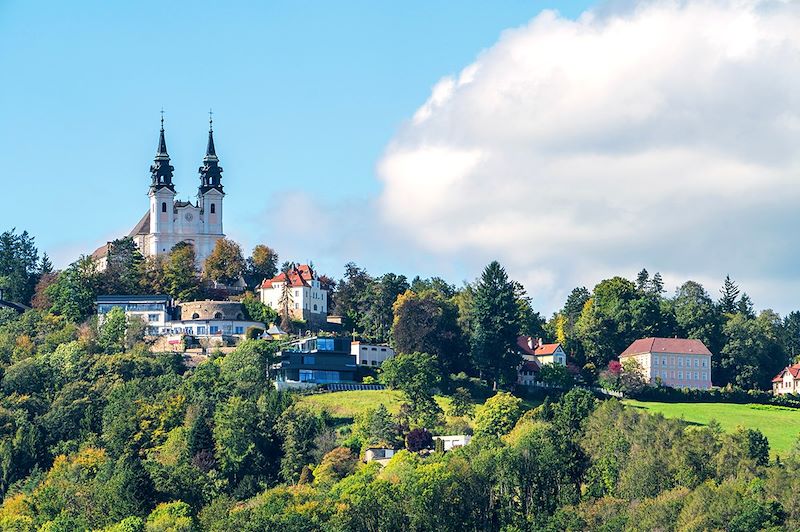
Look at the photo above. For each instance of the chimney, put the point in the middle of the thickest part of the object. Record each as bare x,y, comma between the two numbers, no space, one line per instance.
540,343
531,343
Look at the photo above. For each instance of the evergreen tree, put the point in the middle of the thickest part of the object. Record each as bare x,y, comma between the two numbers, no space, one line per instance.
657,284
643,280
496,327
730,296
19,266
745,306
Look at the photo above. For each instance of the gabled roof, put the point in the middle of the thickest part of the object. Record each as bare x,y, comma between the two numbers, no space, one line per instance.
530,365
547,349
666,345
298,276
794,370
527,344
101,252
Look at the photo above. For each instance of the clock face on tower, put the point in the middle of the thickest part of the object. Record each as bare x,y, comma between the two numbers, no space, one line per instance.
188,216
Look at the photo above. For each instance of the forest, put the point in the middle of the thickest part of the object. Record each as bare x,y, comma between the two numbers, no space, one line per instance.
99,433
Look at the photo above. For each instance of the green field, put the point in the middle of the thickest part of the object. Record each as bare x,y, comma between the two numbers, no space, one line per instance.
345,405
780,425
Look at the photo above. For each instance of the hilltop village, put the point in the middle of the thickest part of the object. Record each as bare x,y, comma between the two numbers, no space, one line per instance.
166,381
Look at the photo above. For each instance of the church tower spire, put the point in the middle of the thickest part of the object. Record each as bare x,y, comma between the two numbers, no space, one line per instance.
211,171
161,170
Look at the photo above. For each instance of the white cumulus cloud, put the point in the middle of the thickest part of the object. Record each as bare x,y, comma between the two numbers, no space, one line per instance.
663,134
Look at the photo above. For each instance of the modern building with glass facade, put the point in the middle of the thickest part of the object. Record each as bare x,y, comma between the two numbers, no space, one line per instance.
315,360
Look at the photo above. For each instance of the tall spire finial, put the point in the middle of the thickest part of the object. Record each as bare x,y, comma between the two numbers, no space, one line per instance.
161,170
210,120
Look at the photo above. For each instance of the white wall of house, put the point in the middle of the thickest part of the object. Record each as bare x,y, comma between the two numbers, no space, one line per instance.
787,385
309,299
370,355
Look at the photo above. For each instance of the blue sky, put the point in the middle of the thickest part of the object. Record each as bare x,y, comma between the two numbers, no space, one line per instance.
305,96
423,137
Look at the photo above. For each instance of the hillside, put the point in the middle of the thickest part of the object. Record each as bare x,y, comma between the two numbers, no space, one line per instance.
780,425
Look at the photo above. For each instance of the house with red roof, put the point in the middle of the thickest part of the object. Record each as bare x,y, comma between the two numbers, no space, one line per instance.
536,354
787,381
301,290
676,362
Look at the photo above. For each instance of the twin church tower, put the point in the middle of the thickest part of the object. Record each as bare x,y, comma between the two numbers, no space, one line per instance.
169,222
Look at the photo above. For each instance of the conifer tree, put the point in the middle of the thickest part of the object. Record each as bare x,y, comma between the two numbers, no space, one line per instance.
730,296
496,326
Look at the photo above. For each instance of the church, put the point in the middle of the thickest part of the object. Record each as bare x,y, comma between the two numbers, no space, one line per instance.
168,222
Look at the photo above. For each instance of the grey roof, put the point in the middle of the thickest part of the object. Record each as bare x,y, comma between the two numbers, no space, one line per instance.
143,227
123,298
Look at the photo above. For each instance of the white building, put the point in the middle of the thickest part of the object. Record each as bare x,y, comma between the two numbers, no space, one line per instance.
787,381
369,354
168,222
307,299
154,310
534,348
200,319
451,442
676,362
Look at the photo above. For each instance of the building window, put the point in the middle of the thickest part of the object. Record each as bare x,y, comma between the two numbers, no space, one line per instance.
374,362
705,375
218,315
163,206
309,360
315,307
195,316
201,329
704,362
364,362
152,317
238,330
214,329
213,208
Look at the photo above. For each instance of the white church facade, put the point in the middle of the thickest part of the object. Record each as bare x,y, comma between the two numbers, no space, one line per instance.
168,222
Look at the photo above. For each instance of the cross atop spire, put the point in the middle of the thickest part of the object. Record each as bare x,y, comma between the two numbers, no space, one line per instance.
211,171
211,152
161,170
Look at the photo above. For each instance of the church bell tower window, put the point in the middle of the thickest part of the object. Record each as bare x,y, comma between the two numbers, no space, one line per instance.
163,206
213,208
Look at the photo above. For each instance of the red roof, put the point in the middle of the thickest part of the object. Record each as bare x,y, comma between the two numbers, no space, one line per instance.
794,369
530,365
546,349
527,344
666,345
298,276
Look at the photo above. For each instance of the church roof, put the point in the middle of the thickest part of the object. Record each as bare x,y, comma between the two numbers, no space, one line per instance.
143,227
101,252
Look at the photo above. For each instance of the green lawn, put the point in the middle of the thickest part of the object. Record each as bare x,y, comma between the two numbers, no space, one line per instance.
345,405
780,425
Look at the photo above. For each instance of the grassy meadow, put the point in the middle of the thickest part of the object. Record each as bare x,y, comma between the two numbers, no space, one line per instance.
780,425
